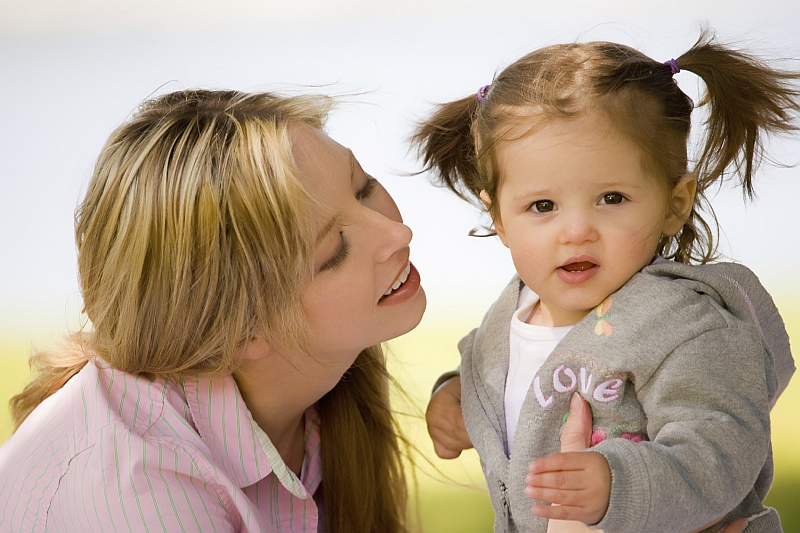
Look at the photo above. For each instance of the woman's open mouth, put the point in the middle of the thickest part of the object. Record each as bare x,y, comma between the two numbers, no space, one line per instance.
405,286
400,280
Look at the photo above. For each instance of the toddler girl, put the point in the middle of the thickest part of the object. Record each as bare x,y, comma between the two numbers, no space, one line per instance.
579,154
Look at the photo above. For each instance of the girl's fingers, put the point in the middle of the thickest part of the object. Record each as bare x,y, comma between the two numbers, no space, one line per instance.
561,497
559,462
555,512
566,512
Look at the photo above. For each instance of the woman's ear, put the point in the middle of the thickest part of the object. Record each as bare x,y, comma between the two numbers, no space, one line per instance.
497,223
680,204
256,348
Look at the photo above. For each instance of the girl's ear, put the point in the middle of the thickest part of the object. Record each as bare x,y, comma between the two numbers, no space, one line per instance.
680,204
256,348
498,224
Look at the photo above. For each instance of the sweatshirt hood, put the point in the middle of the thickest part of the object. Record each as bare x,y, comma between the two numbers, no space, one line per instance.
739,290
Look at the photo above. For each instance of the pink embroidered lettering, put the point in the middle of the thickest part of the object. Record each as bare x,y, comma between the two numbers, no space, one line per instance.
607,391
544,403
586,381
558,385
566,380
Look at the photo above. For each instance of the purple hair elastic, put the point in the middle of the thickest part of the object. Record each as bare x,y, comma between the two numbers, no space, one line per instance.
673,65
482,93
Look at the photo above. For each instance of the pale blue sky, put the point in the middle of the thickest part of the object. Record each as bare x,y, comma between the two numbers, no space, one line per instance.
72,70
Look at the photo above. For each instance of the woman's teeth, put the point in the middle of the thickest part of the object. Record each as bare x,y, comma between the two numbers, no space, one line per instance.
400,280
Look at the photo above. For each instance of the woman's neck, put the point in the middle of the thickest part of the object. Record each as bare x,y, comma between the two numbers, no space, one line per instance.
275,410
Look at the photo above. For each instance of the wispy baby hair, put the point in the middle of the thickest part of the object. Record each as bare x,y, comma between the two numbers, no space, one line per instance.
747,100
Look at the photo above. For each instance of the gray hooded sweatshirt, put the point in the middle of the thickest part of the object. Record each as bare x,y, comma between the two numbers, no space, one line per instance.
680,366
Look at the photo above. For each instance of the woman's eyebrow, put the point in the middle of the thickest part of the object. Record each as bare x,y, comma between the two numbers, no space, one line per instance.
326,229
353,163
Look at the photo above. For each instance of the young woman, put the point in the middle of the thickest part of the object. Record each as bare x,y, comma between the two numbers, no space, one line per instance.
239,269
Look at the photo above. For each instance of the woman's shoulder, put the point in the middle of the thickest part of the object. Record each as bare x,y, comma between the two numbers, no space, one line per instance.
103,425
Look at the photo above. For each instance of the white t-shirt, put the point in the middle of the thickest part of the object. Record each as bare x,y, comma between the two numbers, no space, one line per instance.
529,347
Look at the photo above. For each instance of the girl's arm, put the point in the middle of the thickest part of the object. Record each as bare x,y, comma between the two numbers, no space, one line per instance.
446,427
576,437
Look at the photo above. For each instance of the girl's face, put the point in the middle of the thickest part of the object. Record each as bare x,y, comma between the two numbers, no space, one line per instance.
364,290
579,214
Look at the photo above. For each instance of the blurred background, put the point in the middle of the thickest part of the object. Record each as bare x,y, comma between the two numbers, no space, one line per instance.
72,70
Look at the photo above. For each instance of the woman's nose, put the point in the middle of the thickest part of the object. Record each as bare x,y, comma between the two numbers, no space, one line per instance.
389,234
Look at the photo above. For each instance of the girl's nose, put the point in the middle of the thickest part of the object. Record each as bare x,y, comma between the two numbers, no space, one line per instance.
577,228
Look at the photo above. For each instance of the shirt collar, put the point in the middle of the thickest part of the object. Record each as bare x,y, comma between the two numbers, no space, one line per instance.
239,445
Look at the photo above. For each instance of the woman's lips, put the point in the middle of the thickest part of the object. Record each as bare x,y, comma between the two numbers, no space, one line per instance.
409,283
577,272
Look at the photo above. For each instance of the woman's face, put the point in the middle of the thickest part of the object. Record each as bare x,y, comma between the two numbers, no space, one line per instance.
364,290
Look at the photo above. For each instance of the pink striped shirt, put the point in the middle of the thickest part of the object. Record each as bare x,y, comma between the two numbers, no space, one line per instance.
111,451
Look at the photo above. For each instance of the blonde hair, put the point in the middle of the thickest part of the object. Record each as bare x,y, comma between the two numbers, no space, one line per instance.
638,96
195,232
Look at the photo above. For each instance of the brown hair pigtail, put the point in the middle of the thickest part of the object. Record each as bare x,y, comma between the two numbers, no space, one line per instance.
747,99
446,146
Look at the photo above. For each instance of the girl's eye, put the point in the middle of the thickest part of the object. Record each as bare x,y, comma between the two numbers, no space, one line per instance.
366,191
612,198
338,257
543,206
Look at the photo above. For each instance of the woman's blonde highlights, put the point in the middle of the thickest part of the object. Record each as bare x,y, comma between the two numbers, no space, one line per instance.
195,231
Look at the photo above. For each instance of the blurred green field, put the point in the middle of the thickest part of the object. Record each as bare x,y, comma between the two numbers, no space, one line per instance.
450,495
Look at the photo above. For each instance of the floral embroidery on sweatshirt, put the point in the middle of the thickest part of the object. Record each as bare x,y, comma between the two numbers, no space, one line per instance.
622,431
602,325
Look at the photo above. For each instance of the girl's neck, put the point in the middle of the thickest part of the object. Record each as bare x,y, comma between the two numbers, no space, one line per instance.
543,315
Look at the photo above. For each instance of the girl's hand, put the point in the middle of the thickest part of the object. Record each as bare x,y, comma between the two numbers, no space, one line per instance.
576,436
445,421
578,484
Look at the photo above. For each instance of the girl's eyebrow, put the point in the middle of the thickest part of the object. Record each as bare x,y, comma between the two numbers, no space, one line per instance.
526,194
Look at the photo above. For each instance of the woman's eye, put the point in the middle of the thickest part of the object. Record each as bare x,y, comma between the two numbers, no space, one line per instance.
366,191
543,206
338,257
612,198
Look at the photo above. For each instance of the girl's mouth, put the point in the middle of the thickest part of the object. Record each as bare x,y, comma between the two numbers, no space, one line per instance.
580,266
577,272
